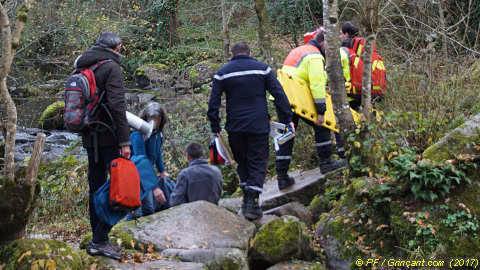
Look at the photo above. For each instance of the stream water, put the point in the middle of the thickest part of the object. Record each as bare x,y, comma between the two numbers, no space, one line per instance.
57,141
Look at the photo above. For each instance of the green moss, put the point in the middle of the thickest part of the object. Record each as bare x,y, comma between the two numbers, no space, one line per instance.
54,112
238,193
454,144
193,74
117,236
279,235
23,253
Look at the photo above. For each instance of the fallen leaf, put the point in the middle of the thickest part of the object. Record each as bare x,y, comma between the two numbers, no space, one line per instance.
137,257
427,215
28,253
168,238
132,243
382,226
70,257
226,231
142,247
150,248
93,266
62,249
419,221
406,214
381,244
41,263
119,242
51,265
345,221
34,267
412,220
369,222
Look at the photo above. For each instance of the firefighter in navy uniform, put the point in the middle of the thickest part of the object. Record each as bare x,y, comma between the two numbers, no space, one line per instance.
308,63
245,81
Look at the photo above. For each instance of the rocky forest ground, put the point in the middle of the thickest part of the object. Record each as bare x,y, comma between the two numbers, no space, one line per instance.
412,188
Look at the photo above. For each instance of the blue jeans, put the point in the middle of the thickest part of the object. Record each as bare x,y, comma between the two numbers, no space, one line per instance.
148,207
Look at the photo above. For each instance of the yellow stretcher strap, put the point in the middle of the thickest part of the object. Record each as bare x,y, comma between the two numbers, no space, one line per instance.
301,101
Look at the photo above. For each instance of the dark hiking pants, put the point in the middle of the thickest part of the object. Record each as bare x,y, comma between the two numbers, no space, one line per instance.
250,151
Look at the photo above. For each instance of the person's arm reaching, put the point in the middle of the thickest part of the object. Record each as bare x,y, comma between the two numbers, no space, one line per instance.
318,81
214,104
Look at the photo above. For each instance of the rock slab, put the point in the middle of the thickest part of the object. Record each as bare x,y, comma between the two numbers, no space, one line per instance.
461,140
307,185
292,209
196,232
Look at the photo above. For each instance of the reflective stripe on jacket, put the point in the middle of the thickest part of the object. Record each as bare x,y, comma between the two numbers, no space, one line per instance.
308,63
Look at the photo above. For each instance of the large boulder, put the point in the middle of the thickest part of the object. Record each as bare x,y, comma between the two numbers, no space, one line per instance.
45,254
280,240
202,73
154,76
158,264
195,232
292,209
52,117
461,140
328,238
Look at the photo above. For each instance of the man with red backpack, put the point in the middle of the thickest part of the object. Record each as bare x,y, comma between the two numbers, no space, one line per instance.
105,146
352,65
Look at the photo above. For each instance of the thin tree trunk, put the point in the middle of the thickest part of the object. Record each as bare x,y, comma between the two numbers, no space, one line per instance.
334,68
173,22
367,78
226,35
444,33
264,31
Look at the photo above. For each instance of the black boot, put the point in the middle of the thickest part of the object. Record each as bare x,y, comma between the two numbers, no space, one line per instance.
251,208
284,181
328,165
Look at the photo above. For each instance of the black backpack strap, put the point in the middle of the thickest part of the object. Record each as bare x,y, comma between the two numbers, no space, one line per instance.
94,67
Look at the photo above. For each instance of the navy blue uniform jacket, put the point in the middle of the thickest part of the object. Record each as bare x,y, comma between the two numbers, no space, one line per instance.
245,81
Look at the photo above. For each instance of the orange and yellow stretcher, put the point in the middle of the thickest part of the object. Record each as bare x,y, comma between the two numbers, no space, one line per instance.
301,101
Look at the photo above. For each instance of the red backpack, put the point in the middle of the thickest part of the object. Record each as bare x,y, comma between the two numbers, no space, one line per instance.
379,74
82,98
124,185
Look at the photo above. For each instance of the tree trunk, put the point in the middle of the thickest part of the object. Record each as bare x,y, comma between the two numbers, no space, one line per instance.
18,194
173,22
18,199
444,33
367,78
334,68
264,31
226,35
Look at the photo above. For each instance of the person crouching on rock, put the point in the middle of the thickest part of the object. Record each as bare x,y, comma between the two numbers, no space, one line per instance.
199,181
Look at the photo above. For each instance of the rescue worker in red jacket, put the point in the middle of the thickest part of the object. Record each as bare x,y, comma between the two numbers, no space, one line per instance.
308,63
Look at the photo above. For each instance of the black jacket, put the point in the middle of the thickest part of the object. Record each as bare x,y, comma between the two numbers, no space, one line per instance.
245,81
199,181
109,78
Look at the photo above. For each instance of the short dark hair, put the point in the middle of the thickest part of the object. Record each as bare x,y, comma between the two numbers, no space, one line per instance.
240,47
350,28
194,150
320,36
110,39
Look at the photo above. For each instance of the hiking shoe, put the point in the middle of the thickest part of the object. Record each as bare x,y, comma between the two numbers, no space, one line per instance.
328,165
117,249
285,181
103,249
251,208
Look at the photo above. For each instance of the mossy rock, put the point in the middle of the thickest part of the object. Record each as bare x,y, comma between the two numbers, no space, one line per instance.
202,73
282,239
318,206
25,253
52,117
461,140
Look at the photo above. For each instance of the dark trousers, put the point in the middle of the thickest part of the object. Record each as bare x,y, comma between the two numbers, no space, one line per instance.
323,144
250,151
97,176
